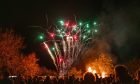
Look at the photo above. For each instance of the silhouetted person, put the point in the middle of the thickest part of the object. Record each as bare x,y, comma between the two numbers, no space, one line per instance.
122,76
47,80
35,80
71,79
54,81
5,79
76,81
89,78
21,80
61,81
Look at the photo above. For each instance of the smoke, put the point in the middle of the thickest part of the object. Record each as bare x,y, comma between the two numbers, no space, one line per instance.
118,34
92,54
120,27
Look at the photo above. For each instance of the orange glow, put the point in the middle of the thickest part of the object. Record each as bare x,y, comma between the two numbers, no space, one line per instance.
94,71
103,74
89,69
102,66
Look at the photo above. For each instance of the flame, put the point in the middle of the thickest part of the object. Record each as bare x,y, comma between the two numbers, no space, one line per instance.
103,74
89,69
94,71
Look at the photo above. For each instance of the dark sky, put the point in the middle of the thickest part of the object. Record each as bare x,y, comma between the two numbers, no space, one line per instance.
34,12
122,18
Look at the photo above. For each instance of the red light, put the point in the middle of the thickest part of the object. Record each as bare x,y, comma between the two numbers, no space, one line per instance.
67,24
75,37
74,26
52,35
60,59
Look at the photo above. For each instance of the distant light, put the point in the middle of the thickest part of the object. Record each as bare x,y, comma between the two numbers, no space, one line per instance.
41,37
12,76
60,60
87,25
75,37
88,31
84,36
63,32
53,48
96,30
80,23
52,35
61,35
61,22
58,30
94,23
66,24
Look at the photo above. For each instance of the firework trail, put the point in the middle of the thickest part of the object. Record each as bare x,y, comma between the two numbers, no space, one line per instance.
50,53
67,41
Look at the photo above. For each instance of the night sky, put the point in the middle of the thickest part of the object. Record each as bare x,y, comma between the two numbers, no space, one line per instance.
121,18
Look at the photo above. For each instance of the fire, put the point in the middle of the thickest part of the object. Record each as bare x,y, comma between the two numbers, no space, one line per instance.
89,69
93,71
103,74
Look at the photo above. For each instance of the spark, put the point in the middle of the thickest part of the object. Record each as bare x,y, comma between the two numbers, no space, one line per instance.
49,51
52,35
96,30
95,23
80,23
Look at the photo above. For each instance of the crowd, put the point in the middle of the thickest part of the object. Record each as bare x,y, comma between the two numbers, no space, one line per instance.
121,76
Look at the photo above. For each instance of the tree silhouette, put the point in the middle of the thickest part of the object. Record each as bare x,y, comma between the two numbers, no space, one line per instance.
28,66
11,58
10,46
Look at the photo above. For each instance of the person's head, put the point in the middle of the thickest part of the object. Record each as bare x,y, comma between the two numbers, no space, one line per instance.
89,77
121,72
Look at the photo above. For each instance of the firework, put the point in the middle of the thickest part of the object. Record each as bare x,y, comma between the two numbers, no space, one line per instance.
67,41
